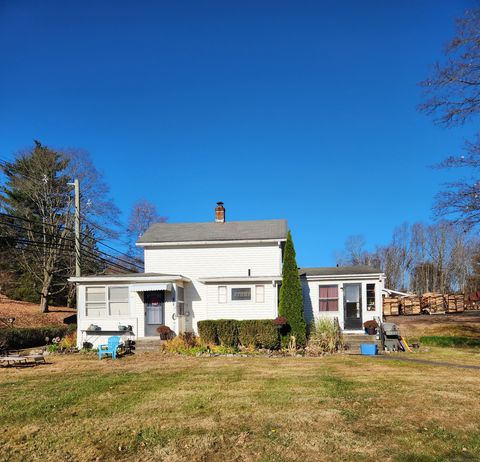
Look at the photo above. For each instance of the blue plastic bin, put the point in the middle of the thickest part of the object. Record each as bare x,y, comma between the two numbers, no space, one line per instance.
368,349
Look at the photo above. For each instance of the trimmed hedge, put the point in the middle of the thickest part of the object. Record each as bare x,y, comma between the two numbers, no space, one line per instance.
227,332
207,330
27,337
258,333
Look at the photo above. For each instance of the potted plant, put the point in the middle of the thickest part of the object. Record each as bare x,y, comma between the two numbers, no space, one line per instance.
370,327
280,321
164,331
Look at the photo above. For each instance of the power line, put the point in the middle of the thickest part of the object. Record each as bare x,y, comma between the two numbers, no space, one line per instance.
64,238
89,255
12,166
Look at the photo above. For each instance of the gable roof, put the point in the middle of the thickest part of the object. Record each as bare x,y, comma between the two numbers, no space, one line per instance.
339,270
211,231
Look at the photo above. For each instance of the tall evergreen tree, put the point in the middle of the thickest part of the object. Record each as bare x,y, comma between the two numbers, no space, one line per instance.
291,298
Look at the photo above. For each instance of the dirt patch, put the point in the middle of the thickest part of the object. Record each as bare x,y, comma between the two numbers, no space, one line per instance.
28,314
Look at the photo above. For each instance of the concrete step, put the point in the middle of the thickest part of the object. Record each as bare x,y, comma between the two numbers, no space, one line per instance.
147,345
353,341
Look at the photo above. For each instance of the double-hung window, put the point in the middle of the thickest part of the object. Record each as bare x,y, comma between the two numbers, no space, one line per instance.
260,294
106,301
180,301
118,301
95,302
328,298
222,294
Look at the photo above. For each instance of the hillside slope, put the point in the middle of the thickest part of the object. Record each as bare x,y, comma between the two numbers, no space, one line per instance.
28,315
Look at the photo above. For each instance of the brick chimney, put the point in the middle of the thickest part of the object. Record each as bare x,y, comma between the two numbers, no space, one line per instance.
220,213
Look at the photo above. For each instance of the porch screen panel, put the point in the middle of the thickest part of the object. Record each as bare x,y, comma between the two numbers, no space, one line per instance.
118,301
328,298
95,302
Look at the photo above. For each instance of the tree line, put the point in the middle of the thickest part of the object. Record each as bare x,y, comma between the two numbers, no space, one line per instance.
438,257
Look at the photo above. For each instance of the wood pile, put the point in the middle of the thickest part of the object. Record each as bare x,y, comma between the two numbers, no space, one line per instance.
433,303
410,305
454,303
429,303
391,306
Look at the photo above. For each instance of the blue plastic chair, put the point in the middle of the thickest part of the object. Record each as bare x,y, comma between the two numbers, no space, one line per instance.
111,349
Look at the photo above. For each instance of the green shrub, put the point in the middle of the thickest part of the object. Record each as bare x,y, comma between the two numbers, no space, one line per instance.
325,337
207,330
450,341
227,331
267,335
26,337
71,328
247,333
257,333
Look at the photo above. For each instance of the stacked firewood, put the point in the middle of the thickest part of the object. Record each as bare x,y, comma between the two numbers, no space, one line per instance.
428,303
410,305
454,303
391,306
433,303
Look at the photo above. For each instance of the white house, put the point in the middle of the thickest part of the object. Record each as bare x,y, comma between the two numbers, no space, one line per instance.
215,270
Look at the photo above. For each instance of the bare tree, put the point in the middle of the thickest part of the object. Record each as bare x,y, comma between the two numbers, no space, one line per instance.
452,97
143,214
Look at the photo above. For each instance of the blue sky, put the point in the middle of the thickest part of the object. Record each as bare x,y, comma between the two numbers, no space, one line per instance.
299,110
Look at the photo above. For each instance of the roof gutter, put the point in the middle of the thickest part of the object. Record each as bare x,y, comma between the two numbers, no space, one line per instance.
212,242
138,279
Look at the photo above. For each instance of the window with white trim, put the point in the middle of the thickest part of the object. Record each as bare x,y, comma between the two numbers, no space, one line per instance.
260,294
241,293
118,301
222,294
95,302
328,298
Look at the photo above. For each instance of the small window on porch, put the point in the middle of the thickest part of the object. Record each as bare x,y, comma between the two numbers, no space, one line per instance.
95,302
371,297
118,301
328,298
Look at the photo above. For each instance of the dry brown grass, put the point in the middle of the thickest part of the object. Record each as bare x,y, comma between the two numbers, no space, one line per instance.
153,407
28,314
465,324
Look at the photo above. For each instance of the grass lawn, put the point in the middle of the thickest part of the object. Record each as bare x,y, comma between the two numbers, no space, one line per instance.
151,407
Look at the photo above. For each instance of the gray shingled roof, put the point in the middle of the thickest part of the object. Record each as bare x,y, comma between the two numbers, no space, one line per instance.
338,270
228,231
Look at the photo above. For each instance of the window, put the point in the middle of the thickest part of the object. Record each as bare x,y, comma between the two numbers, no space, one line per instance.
371,297
95,302
222,294
244,293
118,301
328,298
259,294
180,301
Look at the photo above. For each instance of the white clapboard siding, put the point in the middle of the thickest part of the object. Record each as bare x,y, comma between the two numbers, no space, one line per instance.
311,292
241,309
217,260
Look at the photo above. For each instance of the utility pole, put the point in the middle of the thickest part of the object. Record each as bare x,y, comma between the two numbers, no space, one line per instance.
76,185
